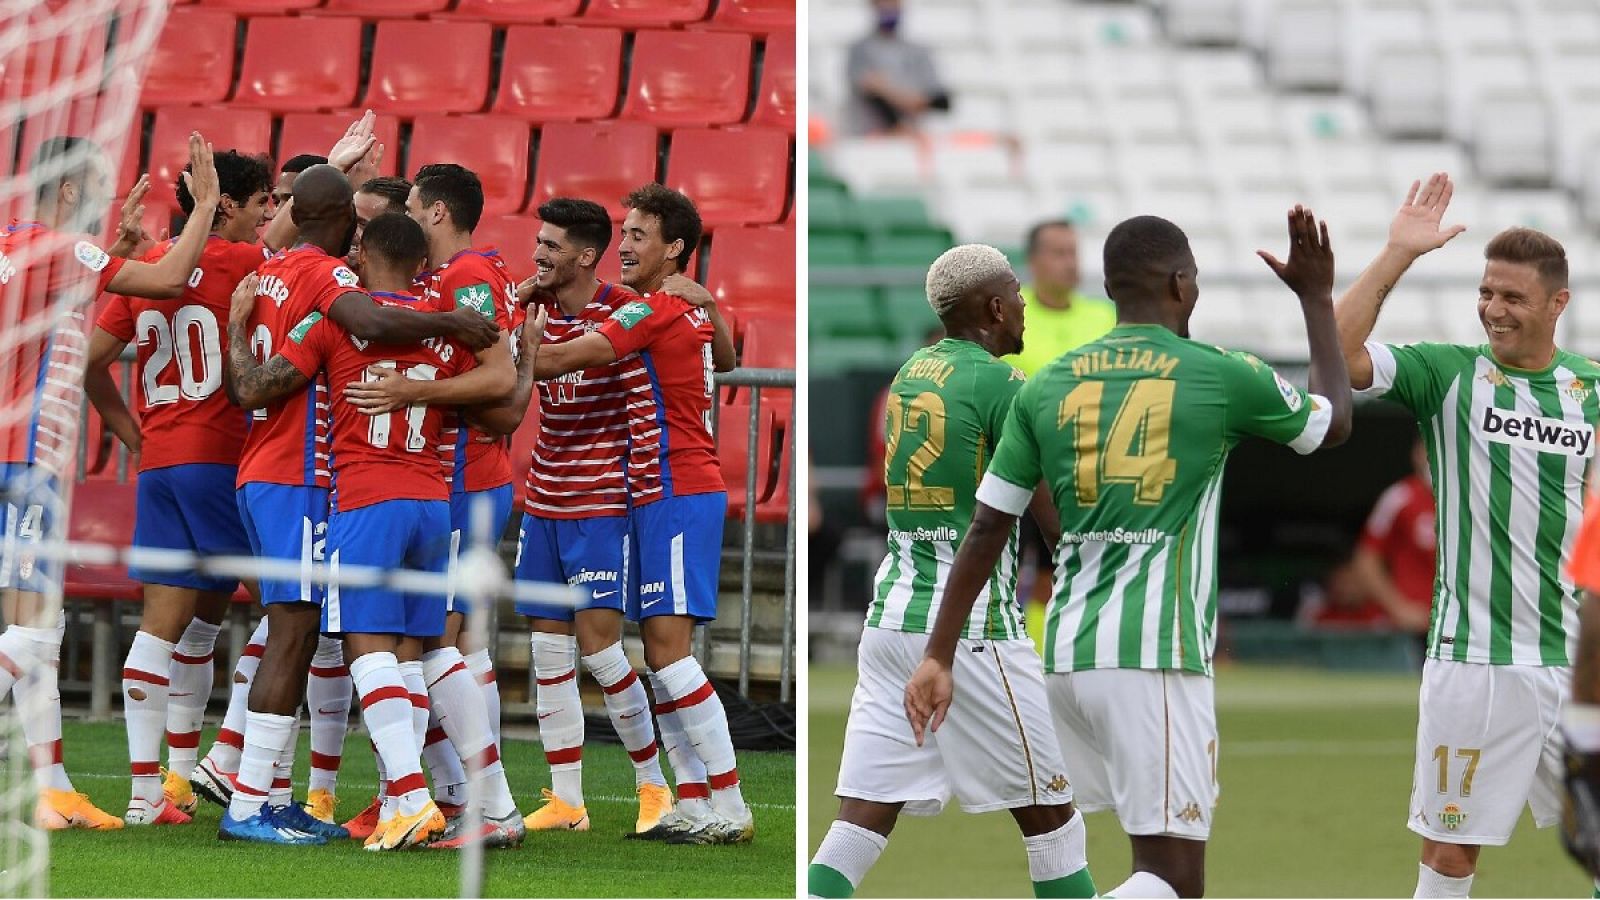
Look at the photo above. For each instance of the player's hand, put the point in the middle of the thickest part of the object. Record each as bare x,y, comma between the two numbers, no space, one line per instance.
354,144
367,168
472,328
687,289
243,302
537,324
528,290
202,177
1416,227
385,391
131,225
928,696
1309,271
1580,812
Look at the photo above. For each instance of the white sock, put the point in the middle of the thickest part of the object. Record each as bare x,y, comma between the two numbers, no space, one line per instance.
849,850
466,722
265,737
328,692
225,751
1058,853
16,657
145,684
629,708
687,768
386,708
1432,885
192,672
281,793
482,669
385,802
421,709
560,713
444,765
704,720
39,694
1143,885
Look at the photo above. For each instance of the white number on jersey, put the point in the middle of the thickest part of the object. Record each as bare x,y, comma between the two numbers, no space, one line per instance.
709,369
379,427
198,376
261,346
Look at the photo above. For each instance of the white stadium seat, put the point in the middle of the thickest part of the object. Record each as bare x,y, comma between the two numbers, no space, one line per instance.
1305,45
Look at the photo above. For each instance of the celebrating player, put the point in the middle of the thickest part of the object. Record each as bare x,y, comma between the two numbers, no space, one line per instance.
52,276
1131,629
998,749
1510,432
374,197
677,518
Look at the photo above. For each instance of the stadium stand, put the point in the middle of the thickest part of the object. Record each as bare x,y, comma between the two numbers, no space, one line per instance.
558,74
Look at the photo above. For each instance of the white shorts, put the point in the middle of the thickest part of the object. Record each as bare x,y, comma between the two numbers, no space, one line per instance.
1142,742
995,750
1488,744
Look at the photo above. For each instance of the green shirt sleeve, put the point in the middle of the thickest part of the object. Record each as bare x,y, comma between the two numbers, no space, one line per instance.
1262,403
1415,376
1016,458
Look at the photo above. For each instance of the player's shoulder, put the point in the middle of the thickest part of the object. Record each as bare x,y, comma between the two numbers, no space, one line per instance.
1579,365
241,253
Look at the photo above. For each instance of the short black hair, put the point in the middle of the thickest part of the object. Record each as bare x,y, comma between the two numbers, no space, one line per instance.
397,239
57,151
240,177
679,219
1039,229
391,188
304,161
458,187
1142,249
586,222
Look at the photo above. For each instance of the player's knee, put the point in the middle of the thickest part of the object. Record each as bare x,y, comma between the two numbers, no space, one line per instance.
1450,860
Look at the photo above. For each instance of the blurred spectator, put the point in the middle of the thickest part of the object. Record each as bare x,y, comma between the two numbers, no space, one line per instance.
1394,562
1342,604
892,81
872,491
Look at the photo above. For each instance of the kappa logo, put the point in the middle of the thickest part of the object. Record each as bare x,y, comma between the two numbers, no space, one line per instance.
1451,817
1496,378
1057,784
1191,813
1537,432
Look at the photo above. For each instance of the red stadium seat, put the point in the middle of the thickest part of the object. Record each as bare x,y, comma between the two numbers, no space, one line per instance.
514,237
775,100
646,12
193,60
29,68
317,133
769,343
383,9
733,452
753,268
261,6
734,176
102,512
560,74
430,67
494,147
511,12
601,162
776,507
754,16
294,64
245,130
688,78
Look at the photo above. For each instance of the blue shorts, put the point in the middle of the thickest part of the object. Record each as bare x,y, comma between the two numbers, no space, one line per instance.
590,553
411,534
677,551
190,507
284,521
32,502
500,500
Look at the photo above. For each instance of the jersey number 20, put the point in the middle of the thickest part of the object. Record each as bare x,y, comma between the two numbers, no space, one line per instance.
199,376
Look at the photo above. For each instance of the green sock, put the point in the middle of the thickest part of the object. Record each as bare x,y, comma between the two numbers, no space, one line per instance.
1078,884
823,881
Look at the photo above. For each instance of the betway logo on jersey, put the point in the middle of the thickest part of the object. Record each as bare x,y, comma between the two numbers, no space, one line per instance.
588,575
1537,432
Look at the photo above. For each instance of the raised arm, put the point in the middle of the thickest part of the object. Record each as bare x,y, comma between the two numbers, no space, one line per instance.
1309,273
506,417
131,236
356,153
168,276
368,320
724,356
554,360
104,348
251,384
1414,231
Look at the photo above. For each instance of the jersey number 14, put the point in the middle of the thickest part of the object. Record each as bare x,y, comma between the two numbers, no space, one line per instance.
1135,449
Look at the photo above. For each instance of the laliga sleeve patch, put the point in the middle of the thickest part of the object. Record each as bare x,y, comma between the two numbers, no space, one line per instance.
478,296
91,256
632,314
298,335
1291,395
345,277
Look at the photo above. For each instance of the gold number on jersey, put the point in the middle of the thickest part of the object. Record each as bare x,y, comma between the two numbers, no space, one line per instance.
1441,755
1137,446
924,417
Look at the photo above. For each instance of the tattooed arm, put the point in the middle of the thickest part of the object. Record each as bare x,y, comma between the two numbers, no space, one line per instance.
252,384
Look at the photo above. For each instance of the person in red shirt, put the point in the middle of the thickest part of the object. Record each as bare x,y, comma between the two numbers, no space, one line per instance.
676,524
50,272
1394,561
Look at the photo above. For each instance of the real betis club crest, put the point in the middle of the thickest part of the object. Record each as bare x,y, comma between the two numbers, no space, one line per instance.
478,296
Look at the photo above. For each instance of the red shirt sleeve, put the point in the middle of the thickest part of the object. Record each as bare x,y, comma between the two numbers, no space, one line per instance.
310,352
636,324
338,281
117,318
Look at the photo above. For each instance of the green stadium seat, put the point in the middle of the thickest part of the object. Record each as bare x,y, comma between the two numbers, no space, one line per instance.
832,209
852,311
916,249
818,171
835,248
836,355
895,214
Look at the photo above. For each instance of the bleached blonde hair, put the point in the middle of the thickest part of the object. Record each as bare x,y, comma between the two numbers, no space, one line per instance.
959,270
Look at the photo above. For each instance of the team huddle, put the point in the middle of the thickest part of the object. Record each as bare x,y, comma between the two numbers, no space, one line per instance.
328,371
1117,449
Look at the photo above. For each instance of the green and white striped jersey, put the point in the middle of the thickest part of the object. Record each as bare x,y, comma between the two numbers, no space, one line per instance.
1509,450
944,415
1131,433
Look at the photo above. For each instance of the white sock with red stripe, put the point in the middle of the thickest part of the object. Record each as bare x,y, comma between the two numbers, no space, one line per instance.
38,696
17,657
706,723
687,768
265,737
282,791
463,717
385,802
560,712
482,669
328,693
191,672
386,708
444,765
145,685
417,691
229,745
629,707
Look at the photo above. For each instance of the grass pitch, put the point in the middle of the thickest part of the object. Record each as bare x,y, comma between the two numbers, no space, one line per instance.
189,861
1315,769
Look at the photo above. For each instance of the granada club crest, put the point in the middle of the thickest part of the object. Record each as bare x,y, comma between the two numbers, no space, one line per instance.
1451,817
